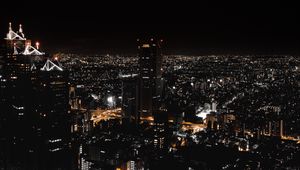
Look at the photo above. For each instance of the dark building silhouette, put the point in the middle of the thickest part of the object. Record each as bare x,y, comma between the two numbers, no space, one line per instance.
130,97
150,80
34,107
52,98
16,108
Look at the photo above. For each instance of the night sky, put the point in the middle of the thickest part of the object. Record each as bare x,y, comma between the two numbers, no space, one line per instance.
187,28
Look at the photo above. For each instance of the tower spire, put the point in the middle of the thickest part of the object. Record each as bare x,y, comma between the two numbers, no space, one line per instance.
37,45
9,26
20,28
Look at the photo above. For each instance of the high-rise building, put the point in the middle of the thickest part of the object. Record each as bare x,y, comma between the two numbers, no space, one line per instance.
2,103
34,106
275,128
150,77
52,98
130,97
16,110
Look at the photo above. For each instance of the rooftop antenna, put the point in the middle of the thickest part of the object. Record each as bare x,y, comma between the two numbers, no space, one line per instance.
9,27
20,28
21,31
37,45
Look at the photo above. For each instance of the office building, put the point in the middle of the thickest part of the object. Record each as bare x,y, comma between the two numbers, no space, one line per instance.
34,106
130,97
52,98
150,80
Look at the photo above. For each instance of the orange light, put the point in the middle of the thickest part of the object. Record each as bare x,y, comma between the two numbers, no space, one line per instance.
37,44
55,58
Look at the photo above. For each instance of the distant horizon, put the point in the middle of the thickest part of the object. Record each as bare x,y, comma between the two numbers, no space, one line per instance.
173,54
294,52
218,28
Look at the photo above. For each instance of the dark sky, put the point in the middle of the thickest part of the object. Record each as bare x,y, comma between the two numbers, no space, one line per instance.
186,27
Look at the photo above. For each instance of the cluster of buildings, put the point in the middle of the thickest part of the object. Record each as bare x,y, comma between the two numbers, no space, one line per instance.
211,102
148,111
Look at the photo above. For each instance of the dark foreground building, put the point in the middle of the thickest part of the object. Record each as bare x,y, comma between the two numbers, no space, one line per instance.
35,127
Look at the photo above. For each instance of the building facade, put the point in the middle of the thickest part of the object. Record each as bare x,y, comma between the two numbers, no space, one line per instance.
150,77
34,107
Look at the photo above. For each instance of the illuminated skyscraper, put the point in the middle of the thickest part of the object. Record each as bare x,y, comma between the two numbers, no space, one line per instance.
52,98
34,106
150,81
17,111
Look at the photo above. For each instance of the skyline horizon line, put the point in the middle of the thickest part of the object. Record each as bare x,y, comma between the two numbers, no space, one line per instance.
221,47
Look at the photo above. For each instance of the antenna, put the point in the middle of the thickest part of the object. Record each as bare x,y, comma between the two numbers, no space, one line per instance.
37,45
20,28
9,27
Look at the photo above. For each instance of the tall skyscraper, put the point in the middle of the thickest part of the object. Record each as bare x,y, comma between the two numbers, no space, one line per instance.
150,80
17,111
52,98
2,103
34,107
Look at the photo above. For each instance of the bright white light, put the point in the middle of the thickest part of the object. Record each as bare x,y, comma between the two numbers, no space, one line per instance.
29,50
95,97
37,45
192,84
110,99
203,112
49,65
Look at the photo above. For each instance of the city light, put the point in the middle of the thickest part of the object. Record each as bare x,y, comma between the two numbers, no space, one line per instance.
37,45
110,99
184,108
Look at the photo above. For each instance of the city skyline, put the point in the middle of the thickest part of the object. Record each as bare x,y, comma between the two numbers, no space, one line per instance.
89,87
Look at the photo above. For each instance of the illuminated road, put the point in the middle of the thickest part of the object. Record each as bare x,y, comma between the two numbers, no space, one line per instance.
105,114
194,127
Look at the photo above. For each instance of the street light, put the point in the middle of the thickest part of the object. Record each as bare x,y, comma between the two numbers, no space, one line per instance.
111,101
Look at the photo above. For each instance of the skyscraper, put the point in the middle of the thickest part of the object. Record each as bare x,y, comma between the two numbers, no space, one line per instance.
150,80
129,97
51,99
16,98
34,107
